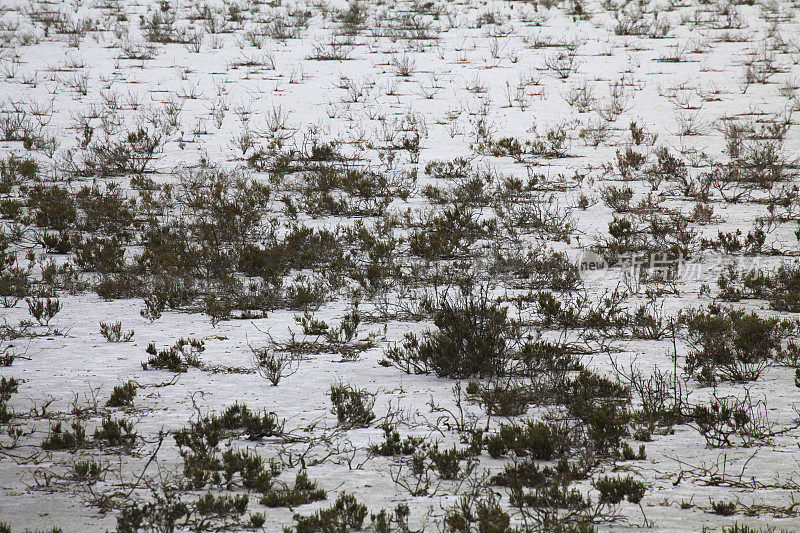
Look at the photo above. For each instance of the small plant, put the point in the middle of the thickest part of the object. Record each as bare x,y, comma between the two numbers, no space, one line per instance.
346,514
538,440
8,387
122,395
64,439
732,345
164,360
472,340
613,490
723,508
88,471
352,406
274,365
115,432
394,445
304,491
43,309
113,332
183,354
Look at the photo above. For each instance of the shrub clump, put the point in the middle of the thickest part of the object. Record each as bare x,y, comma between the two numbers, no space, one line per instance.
731,345
472,340
352,406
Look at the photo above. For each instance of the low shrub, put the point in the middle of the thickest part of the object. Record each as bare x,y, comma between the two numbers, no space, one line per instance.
346,514
732,345
352,406
122,395
537,440
304,491
472,339
614,489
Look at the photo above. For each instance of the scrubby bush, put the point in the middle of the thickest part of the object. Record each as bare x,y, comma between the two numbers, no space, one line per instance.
304,491
538,440
122,395
781,287
394,445
64,439
183,354
112,332
472,339
346,514
43,309
352,406
481,513
614,489
115,432
732,345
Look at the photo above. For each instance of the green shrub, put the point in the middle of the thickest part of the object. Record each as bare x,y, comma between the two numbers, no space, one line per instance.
723,508
613,490
112,332
88,470
352,406
477,513
304,491
122,395
472,339
394,445
115,432
732,345
528,473
60,439
538,440
345,514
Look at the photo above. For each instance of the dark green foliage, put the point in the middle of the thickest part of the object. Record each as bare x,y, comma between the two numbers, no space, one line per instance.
732,345
614,489
346,514
220,507
352,406
183,354
99,254
43,309
394,445
161,514
538,440
723,418
8,387
304,491
170,359
723,508
607,425
115,432
505,398
539,268
472,339
112,332
52,207
447,462
88,470
254,472
781,287
199,446
61,439
129,153
528,473
629,455
482,513
447,235
106,211
122,395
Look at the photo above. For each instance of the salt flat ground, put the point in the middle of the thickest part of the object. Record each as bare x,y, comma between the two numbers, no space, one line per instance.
563,117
